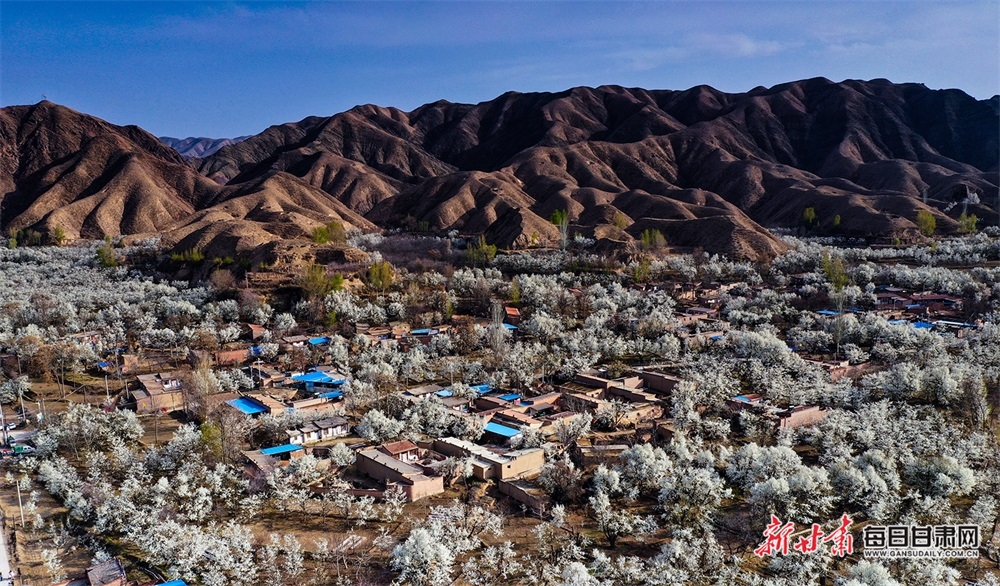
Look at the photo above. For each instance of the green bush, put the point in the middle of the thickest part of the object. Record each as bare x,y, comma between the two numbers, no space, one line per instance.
191,256
809,217
106,255
480,252
967,224
652,239
926,222
332,233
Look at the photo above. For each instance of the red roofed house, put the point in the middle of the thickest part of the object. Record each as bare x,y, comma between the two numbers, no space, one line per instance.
404,451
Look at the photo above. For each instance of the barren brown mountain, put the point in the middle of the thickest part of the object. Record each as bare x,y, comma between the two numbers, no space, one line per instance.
198,146
66,170
706,168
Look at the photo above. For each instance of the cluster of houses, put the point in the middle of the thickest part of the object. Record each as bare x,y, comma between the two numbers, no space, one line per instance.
408,466
635,401
638,402
924,304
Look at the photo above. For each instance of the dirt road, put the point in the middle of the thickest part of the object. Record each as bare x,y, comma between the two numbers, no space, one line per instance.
6,572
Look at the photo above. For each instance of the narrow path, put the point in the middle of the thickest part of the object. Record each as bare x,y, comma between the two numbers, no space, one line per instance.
6,572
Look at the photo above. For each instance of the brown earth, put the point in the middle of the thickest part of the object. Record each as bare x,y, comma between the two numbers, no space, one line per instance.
867,151
62,169
707,168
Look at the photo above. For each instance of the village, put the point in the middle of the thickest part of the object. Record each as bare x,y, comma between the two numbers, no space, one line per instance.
288,395
640,400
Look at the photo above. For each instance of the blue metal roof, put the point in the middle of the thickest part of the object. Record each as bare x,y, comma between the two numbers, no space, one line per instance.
248,405
827,312
331,395
510,326
510,397
923,325
482,389
174,583
445,393
318,341
103,364
317,377
421,332
285,449
502,430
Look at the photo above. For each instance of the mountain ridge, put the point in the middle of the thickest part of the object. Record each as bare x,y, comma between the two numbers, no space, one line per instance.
91,179
198,146
674,160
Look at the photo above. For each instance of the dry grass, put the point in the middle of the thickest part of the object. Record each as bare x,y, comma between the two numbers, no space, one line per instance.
29,541
159,428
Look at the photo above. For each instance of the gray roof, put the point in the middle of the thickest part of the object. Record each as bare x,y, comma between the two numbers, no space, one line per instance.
388,461
330,422
105,572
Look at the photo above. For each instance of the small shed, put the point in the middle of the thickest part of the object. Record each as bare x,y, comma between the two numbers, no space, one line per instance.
248,406
500,433
281,450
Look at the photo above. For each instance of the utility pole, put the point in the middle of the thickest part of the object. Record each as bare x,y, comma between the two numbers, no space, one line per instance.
19,505
3,422
107,390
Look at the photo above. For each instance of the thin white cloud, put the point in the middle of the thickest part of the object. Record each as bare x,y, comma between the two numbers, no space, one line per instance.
698,47
640,59
738,45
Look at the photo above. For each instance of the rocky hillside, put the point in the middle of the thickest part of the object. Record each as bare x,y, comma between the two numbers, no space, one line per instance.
704,167
870,152
192,146
63,169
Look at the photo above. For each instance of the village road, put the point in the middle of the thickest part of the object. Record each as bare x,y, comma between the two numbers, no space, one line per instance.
6,573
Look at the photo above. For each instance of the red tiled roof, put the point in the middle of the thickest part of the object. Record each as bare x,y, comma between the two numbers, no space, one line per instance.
399,447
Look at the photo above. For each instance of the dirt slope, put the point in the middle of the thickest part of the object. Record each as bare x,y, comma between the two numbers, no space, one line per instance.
706,168
867,151
62,169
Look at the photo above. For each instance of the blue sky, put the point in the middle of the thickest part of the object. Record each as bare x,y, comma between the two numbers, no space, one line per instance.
223,69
